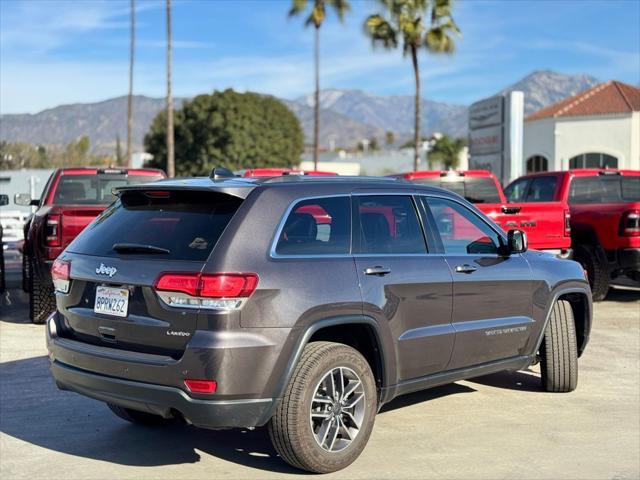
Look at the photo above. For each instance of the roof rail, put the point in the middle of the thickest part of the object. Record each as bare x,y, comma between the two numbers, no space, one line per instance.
219,173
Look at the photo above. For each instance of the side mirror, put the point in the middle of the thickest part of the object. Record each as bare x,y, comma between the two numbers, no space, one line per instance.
517,241
22,199
4,200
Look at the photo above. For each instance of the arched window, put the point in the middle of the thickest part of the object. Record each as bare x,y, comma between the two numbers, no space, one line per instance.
593,160
537,163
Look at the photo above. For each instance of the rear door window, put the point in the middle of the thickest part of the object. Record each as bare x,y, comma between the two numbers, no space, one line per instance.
187,224
388,224
605,189
320,226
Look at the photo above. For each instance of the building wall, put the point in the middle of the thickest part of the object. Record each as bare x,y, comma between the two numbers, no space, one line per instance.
559,139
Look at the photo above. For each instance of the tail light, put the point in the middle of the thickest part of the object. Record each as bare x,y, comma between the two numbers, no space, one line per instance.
60,273
217,291
630,224
567,223
54,231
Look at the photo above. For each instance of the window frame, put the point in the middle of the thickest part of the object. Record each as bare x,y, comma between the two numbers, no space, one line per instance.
274,244
440,244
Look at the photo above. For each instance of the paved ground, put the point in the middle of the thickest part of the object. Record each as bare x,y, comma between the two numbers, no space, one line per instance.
499,426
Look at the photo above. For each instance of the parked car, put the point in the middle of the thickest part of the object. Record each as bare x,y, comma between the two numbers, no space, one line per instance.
276,172
546,223
4,200
605,218
12,222
228,303
71,199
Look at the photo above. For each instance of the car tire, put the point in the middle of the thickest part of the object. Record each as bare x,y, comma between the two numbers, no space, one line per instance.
42,299
558,352
135,416
296,431
594,261
26,281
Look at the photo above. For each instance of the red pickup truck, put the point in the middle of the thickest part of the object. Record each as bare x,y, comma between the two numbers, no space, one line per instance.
546,223
605,218
71,199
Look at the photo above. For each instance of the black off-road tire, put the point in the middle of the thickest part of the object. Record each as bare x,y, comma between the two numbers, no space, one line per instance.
42,299
559,352
135,416
26,281
594,261
290,427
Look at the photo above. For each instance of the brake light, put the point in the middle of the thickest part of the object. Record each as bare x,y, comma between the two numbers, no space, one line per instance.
201,386
567,223
630,224
217,291
60,274
53,231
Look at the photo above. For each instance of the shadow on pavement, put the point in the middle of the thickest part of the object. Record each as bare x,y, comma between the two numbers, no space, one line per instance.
522,380
14,306
623,295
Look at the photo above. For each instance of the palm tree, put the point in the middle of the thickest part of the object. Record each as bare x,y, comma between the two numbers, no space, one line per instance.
316,17
447,151
405,20
132,40
171,167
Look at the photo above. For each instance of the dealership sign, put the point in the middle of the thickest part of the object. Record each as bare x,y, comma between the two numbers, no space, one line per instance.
495,135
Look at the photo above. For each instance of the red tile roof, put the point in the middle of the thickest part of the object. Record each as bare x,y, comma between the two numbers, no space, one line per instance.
609,97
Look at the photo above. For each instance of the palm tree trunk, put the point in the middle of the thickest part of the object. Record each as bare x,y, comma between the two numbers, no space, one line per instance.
416,133
171,169
316,113
132,44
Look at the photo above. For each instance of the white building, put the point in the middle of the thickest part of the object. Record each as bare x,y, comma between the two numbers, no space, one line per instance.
597,128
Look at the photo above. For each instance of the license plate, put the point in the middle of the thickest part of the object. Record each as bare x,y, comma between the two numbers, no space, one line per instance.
112,301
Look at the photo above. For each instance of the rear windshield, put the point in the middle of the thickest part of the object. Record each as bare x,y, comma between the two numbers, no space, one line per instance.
474,189
187,224
94,189
605,189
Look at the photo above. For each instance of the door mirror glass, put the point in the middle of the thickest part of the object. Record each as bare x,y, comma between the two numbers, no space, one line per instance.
517,240
4,200
22,199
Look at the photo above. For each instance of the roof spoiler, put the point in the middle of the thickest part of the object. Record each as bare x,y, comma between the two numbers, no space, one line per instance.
219,173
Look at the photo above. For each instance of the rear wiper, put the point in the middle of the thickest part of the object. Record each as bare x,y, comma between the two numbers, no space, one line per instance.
138,248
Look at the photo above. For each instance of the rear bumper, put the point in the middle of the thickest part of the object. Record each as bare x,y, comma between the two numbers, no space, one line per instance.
162,400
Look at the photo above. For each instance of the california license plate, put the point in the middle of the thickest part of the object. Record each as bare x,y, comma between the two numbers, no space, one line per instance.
112,301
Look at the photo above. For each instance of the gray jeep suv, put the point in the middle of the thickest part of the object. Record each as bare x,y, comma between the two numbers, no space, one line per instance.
304,304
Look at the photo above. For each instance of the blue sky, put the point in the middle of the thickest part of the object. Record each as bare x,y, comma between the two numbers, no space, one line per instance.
54,52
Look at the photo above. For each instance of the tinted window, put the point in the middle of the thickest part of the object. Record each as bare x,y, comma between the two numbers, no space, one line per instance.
461,231
317,227
94,189
388,224
474,189
605,189
188,224
542,189
517,190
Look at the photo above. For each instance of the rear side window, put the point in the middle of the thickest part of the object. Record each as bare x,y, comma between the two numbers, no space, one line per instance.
320,226
187,224
388,224
94,189
542,189
474,189
605,189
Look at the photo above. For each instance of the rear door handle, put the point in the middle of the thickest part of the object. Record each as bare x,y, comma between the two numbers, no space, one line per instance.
465,268
377,270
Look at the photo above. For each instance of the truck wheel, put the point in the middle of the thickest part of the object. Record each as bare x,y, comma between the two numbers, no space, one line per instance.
326,415
558,352
25,273
42,299
594,261
135,416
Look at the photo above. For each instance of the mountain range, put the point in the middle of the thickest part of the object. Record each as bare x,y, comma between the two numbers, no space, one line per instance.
346,117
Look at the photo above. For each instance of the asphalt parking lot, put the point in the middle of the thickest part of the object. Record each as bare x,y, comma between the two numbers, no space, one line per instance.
498,426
